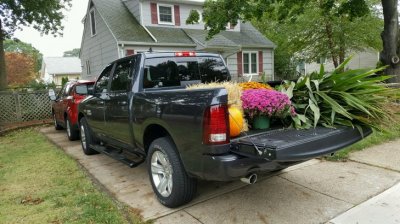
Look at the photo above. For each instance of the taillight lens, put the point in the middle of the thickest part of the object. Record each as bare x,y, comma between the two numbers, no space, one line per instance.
185,54
216,125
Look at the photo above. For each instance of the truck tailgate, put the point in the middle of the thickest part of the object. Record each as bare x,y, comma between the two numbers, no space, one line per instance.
296,145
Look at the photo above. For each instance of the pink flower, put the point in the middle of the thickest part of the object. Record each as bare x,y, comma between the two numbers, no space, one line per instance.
267,102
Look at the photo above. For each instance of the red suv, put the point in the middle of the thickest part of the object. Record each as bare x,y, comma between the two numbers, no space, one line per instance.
65,106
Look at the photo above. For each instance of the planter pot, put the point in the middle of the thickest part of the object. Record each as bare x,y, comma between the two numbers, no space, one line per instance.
261,122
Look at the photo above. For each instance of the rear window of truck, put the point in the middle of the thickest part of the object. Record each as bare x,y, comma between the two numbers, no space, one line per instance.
82,89
182,71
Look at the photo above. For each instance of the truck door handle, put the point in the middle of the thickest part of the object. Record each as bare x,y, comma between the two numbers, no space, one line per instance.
122,103
100,102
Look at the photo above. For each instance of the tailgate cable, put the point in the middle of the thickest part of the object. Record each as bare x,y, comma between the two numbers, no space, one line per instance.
255,146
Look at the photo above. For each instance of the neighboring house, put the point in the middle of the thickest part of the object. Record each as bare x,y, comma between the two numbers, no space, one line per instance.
365,59
117,28
55,68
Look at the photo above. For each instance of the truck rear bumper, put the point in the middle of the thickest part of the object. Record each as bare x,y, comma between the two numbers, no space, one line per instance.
277,149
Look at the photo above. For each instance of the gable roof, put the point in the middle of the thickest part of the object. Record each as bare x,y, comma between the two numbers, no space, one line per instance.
127,29
62,65
121,22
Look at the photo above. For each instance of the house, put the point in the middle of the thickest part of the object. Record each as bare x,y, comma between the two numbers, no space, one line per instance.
55,68
117,28
364,59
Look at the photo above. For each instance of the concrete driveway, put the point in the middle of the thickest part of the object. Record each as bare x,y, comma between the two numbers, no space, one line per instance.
312,192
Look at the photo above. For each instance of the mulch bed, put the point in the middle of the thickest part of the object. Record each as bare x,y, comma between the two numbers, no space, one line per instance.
6,128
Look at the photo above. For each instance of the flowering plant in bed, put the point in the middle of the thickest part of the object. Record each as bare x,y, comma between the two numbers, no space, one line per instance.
263,103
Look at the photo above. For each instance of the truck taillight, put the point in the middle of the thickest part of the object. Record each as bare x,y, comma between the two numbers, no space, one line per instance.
185,54
216,125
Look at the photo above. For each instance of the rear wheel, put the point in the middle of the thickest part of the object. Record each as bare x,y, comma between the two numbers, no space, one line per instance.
169,180
86,137
72,133
56,125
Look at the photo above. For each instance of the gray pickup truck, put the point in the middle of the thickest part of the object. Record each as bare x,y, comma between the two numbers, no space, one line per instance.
140,110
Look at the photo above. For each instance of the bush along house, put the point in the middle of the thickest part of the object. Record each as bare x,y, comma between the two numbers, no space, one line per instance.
118,28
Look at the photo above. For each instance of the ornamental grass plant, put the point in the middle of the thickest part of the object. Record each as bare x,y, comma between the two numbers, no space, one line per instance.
343,97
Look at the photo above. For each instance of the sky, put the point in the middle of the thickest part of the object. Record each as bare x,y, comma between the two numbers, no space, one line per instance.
51,46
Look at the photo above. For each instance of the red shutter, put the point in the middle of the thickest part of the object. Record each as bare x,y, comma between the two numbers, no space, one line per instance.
177,13
154,14
240,63
129,52
260,63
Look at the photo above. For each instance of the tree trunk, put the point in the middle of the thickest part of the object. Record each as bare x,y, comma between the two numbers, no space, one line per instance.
328,29
3,74
390,37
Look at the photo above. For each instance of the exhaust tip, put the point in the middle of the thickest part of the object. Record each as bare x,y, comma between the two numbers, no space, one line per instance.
249,179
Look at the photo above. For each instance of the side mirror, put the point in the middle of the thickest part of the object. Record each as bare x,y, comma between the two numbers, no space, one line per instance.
90,90
52,95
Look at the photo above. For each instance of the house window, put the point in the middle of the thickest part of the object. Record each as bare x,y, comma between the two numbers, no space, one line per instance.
250,61
166,14
92,22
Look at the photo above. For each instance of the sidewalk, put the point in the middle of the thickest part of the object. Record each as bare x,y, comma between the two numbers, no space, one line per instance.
312,192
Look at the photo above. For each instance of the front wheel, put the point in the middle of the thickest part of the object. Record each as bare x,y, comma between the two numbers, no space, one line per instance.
72,133
86,137
56,125
169,180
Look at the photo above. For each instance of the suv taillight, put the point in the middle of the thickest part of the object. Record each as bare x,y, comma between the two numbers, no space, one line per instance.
216,125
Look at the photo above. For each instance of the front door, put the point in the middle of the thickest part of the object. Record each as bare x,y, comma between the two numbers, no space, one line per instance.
96,105
117,108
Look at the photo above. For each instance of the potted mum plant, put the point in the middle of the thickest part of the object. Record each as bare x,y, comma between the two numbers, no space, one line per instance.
260,105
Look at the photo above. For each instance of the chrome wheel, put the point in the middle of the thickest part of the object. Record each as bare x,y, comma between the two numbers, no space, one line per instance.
161,173
83,137
68,128
55,121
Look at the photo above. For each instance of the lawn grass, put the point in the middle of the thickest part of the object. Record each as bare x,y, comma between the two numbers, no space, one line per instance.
391,132
40,184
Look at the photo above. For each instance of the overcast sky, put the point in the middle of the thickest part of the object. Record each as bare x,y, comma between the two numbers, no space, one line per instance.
51,46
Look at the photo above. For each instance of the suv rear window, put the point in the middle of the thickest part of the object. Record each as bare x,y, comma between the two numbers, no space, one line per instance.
82,89
181,71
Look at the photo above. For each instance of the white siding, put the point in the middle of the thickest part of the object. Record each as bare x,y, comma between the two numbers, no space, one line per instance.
184,14
268,63
100,49
366,59
134,8
231,62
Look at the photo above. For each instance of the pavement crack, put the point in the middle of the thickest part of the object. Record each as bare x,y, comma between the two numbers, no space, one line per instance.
192,216
373,165
317,191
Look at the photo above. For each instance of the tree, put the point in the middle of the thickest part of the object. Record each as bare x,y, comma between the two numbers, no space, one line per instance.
44,16
307,29
72,53
391,42
17,46
319,31
20,69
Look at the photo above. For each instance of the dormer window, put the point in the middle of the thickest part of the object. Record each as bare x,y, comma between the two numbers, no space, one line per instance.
92,22
166,14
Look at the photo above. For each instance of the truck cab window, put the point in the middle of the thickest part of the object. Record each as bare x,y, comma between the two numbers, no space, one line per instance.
121,79
102,83
182,71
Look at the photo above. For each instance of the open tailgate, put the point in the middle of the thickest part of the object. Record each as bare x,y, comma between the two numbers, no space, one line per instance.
296,145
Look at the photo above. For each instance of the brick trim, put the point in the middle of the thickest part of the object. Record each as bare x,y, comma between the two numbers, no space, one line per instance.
240,63
177,13
260,63
154,13
129,52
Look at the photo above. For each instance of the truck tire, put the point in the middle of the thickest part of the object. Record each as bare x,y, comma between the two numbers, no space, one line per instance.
56,125
170,182
72,133
87,138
